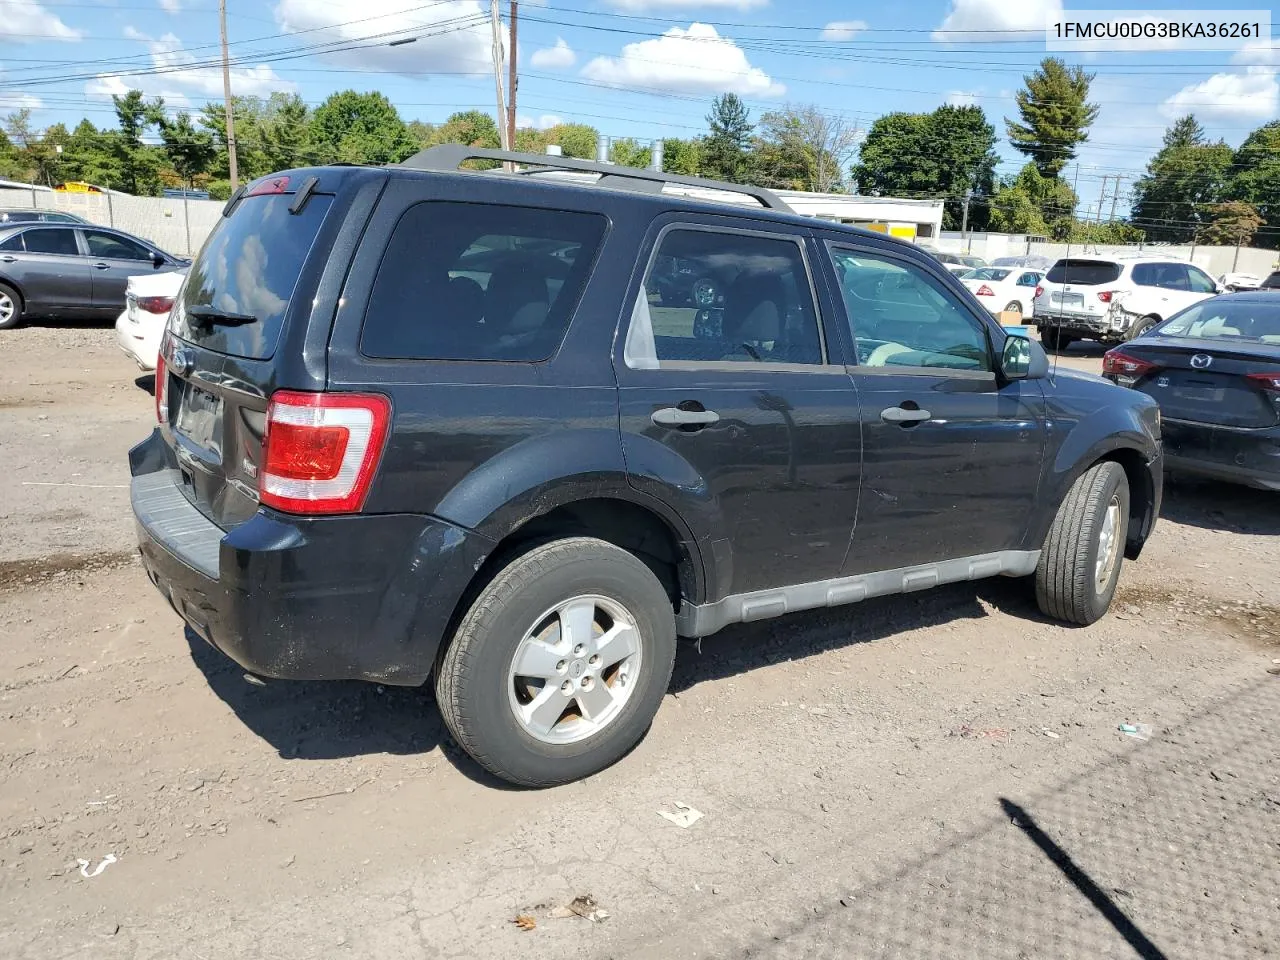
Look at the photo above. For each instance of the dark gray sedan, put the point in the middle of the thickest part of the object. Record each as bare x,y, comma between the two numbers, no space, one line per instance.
71,270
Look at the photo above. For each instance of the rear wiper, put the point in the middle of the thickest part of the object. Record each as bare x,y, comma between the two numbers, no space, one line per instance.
211,317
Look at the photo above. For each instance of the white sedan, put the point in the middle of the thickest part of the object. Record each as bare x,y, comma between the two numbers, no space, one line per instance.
1004,288
148,300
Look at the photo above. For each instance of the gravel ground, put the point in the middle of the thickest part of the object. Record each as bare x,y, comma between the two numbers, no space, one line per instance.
936,775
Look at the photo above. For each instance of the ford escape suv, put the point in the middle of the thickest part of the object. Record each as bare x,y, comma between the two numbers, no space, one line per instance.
420,422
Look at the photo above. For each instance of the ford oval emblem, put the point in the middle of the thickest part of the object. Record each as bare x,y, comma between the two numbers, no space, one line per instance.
182,361
1201,361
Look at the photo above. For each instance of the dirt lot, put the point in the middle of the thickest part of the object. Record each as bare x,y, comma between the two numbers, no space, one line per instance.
933,776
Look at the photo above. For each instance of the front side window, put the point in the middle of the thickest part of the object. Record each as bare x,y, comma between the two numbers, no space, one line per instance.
462,281
1029,280
110,246
901,316
60,242
732,297
1200,282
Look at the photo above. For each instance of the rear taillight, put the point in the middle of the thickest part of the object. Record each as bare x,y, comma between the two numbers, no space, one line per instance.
1039,291
156,304
321,450
1104,296
1122,365
985,291
1267,381
162,390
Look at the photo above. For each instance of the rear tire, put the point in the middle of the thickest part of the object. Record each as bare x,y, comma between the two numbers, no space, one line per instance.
522,621
1081,559
1141,326
1015,307
1055,339
10,307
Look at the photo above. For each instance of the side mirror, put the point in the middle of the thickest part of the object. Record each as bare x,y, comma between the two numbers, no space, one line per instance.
157,259
1023,359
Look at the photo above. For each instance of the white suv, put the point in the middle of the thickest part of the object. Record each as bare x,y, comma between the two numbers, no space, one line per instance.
1114,298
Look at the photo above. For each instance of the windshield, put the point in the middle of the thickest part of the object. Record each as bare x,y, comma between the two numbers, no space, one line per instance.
248,269
987,273
1088,273
1226,320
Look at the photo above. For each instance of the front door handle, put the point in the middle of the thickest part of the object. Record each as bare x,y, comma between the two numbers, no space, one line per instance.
904,415
8,259
102,266
675,417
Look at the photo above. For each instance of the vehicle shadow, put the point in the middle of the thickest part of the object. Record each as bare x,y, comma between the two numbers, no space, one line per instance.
747,647
146,382
329,720
1212,505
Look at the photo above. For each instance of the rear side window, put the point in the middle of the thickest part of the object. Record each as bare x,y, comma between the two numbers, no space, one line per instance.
470,281
1087,273
246,273
12,243
61,242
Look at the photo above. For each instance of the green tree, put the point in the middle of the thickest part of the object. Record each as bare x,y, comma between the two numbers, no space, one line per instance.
725,149
627,152
682,156
1231,223
472,128
138,165
1257,179
529,140
946,154
359,128
1056,115
574,139
284,133
803,148
35,153
10,166
1034,204
190,151
1182,181
90,156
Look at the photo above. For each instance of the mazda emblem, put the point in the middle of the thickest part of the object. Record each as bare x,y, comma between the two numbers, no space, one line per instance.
1201,361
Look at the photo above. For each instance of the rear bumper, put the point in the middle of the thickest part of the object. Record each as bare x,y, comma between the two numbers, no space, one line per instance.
365,597
1235,454
140,344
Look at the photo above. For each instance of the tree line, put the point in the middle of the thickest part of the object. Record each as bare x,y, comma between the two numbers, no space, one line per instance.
1193,190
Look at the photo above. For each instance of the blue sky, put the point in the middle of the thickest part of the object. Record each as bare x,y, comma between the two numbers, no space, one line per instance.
640,68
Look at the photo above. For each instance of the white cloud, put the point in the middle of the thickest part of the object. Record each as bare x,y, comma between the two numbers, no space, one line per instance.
544,122
1261,50
697,60
559,57
841,30
26,21
171,6
962,98
17,100
175,84
966,16
452,37
1250,96
643,6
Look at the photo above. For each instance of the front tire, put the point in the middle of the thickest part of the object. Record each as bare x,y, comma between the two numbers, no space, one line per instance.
10,307
559,666
1013,306
1081,559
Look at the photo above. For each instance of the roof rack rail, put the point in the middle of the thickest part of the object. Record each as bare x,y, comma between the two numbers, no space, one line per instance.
448,157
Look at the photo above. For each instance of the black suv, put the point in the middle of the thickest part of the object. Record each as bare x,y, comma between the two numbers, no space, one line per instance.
420,421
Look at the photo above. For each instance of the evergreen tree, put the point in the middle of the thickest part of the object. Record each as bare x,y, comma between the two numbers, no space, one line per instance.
725,149
1055,113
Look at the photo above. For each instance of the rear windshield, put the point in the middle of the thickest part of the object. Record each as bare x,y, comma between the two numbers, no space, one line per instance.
1272,282
1227,319
248,269
470,281
987,273
1086,273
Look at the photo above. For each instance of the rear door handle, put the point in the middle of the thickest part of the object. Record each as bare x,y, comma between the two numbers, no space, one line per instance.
102,266
675,417
903,415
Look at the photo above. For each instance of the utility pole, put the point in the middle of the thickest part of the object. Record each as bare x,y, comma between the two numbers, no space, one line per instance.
512,79
497,71
1114,197
1102,196
226,94
964,216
